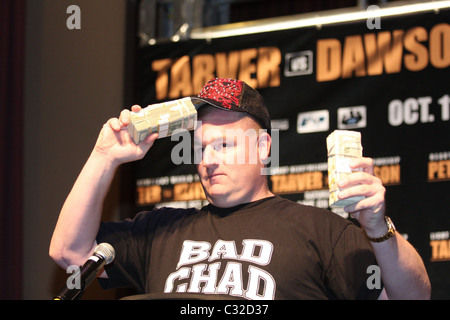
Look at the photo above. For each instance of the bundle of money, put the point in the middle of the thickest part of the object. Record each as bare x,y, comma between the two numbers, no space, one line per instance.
163,118
342,146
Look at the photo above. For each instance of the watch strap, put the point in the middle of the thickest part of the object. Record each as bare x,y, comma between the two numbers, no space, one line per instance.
390,233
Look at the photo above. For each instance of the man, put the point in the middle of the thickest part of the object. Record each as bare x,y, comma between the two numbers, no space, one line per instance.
247,243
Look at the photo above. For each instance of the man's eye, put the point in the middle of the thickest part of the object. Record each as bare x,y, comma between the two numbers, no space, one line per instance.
222,146
199,150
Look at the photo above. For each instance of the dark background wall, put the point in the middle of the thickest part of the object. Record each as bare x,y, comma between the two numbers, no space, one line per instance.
74,82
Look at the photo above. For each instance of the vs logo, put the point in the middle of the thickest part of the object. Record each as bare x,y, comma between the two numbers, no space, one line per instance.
298,63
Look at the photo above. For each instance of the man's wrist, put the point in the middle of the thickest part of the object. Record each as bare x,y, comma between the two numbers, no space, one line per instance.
382,234
102,158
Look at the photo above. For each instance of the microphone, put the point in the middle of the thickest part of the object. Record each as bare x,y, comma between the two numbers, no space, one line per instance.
103,254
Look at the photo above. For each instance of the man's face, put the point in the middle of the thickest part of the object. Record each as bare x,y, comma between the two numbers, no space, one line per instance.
230,166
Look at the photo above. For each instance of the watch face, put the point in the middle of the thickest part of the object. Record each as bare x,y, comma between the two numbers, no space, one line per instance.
390,224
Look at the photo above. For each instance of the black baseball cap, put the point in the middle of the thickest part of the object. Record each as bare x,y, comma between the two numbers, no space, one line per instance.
235,95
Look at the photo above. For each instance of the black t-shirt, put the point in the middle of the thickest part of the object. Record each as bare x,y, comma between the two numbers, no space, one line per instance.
273,248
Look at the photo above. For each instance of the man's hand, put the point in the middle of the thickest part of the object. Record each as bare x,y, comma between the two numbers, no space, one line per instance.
115,143
402,270
370,211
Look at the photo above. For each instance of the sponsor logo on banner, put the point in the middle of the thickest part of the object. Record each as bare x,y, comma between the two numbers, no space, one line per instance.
440,246
313,121
439,166
298,63
280,124
352,117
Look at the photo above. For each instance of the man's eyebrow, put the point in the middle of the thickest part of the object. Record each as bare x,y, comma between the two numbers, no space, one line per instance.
207,139
205,142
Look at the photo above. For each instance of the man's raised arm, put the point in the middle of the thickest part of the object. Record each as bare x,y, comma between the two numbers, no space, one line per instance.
402,270
73,239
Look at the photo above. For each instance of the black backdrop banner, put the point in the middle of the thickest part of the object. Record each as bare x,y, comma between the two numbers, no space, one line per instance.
388,81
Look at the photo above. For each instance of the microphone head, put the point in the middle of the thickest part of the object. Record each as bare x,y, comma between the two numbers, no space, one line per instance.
106,251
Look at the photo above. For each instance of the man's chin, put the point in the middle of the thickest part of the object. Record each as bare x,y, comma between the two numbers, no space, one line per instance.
218,196
217,192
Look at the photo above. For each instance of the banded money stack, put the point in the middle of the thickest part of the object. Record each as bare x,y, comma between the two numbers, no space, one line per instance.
163,118
342,146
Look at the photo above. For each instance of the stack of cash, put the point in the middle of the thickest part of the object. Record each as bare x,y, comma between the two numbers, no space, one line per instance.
342,146
163,118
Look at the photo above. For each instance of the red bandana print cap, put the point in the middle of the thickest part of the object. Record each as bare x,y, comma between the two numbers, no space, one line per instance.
236,95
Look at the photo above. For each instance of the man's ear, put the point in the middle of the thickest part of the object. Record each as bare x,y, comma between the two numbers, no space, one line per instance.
264,144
